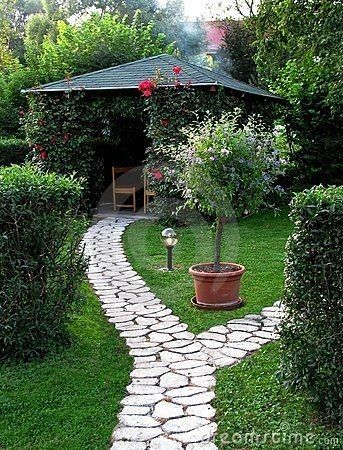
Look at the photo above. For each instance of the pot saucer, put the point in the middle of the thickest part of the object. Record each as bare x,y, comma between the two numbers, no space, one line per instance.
225,306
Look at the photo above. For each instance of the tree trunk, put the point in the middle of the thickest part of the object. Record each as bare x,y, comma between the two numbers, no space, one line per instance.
218,243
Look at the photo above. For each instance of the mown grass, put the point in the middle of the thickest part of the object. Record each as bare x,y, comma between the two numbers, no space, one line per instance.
70,400
257,242
252,405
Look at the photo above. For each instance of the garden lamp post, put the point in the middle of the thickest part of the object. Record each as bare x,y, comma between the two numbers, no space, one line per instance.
169,239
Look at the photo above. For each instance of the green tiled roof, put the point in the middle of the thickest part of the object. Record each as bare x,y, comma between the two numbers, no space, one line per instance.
128,76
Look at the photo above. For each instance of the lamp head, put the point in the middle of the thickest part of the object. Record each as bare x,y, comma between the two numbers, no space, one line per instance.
169,237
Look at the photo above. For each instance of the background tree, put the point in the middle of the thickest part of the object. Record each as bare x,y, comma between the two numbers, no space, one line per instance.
299,54
238,50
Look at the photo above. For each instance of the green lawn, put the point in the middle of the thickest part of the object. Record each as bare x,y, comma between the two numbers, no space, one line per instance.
68,401
257,242
250,399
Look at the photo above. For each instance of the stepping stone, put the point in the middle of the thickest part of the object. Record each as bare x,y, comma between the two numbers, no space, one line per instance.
184,424
159,314
142,344
159,326
212,344
138,421
149,372
202,370
204,433
185,391
188,364
167,410
177,328
198,399
171,318
135,410
136,434
173,380
125,445
162,443
265,335
145,381
144,351
233,352
184,335
243,327
190,348
221,329
238,336
212,336
160,337
207,381
134,333
171,357
176,344
142,400
144,389
202,446
225,361
205,411
246,345
258,340
145,321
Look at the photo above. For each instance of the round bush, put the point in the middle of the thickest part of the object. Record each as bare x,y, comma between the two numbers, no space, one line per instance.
41,265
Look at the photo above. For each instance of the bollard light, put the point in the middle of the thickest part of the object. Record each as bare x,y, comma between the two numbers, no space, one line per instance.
169,239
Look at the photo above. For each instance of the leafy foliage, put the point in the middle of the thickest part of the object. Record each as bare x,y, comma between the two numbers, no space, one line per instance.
299,53
228,169
95,44
13,151
311,333
68,134
41,266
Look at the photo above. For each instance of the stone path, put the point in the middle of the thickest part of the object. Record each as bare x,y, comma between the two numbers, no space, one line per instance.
168,402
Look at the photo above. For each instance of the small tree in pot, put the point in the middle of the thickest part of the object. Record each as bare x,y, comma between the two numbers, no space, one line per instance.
228,170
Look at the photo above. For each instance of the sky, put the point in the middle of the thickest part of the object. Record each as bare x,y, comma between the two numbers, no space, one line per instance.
208,9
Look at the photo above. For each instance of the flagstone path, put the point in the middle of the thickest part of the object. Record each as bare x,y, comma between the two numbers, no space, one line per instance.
168,402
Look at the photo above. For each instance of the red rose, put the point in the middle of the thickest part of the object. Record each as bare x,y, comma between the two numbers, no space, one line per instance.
53,140
146,87
157,174
43,154
39,147
21,113
66,137
147,93
177,70
165,122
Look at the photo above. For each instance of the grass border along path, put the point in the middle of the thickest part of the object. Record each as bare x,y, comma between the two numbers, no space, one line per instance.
69,401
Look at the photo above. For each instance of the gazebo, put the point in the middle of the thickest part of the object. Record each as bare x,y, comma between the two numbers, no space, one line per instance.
124,134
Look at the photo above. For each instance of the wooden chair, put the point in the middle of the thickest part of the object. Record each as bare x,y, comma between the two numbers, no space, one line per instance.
147,192
128,189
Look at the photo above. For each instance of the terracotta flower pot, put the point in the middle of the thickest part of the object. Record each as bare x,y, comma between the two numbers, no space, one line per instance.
217,290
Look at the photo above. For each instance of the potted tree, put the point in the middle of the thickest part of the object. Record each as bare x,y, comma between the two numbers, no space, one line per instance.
228,170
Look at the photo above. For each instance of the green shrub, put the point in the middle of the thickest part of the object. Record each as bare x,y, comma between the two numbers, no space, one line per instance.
311,334
41,265
13,151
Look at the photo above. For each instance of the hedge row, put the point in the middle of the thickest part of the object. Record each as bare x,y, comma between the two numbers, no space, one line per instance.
13,151
311,334
41,266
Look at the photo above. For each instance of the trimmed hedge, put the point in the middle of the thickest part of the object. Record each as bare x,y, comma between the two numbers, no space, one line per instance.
13,151
311,334
41,266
